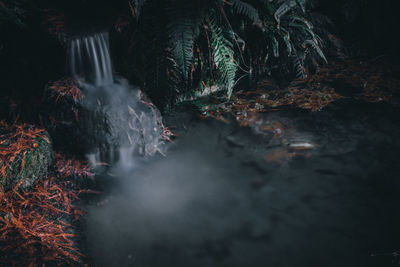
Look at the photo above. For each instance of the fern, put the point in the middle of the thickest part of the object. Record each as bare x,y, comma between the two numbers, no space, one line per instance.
298,64
286,39
283,9
305,30
196,43
181,33
316,47
302,20
302,4
275,46
223,55
247,10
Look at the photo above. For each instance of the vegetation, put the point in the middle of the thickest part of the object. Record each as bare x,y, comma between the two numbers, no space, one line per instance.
25,155
36,202
12,11
197,44
180,49
177,50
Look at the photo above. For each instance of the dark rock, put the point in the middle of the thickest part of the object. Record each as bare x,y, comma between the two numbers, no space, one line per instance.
91,121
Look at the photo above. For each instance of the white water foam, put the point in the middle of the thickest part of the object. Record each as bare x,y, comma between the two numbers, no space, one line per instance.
130,124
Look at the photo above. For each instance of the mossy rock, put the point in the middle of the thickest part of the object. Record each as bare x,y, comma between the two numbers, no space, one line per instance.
75,129
37,161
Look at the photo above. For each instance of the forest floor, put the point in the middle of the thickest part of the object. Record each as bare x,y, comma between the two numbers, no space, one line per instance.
288,178
306,175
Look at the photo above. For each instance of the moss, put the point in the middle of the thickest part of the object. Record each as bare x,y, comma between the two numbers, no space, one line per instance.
37,162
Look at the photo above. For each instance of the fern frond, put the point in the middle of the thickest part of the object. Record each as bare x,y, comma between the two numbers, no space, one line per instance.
302,20
286,39
302,4
283,9
316,47
181,39
183,28
299,69
305,30
246,10
275,46
223,54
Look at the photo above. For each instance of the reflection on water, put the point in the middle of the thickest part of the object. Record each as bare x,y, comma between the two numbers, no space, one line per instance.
215,200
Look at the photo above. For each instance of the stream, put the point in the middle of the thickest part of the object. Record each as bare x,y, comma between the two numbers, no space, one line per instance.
226,195
295,188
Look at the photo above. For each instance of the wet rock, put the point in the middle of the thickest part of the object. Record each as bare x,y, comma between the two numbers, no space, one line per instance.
62,112
83,122
238,138
234,142
75,126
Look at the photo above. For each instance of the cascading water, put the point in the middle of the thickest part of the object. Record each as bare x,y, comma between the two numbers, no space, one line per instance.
89,59
125,122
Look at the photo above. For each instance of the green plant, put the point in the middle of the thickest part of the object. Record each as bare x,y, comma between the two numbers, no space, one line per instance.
186,45
13,12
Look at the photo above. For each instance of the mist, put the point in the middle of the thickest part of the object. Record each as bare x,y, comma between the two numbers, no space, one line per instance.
214,201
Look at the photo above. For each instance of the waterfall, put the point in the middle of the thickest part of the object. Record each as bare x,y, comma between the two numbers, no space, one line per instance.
125,122
89,59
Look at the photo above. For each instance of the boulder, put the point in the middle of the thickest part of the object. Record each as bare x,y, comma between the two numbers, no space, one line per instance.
99,120
25,156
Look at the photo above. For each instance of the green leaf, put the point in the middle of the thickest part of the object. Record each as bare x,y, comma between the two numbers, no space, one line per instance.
223,54
302,4
316,47
283,9
183,28
275,46
246,10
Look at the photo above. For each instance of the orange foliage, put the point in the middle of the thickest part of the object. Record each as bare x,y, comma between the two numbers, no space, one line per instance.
167,134
19,138
375,79
244,104
304,98
72,167
32,226
29,232
67,87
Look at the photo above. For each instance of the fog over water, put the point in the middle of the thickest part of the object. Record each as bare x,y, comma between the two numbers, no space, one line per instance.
295,189
215,201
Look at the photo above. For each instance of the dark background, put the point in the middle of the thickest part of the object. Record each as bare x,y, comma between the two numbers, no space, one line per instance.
30,56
